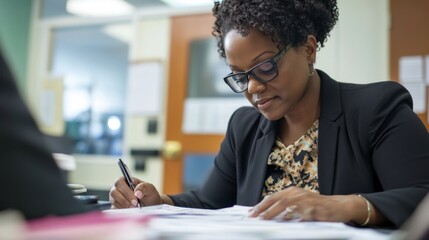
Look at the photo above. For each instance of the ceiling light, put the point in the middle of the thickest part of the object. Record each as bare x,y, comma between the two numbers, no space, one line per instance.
122,32
188,3
99,8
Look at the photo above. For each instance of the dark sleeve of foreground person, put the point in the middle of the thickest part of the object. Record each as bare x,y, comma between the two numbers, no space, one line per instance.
30,180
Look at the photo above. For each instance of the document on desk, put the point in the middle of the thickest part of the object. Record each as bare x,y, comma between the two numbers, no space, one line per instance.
168,211
171,222
171,228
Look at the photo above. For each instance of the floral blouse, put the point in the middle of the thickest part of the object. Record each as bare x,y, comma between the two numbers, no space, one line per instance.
294,165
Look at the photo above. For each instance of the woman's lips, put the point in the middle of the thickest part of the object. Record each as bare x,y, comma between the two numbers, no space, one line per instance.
264,103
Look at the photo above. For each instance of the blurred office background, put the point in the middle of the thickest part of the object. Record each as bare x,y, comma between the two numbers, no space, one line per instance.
141,80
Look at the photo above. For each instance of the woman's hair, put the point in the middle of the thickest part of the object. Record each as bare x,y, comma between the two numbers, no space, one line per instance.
285,21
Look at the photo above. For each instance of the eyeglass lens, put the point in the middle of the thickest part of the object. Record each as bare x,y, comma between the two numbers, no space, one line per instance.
263,72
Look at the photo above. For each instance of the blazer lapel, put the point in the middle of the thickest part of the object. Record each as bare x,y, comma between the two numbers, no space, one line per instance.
260,153
328,136
328,132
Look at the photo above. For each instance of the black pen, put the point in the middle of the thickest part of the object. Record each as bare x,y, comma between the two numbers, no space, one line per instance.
127,176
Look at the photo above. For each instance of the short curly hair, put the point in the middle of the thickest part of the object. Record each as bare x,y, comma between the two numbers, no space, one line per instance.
286,21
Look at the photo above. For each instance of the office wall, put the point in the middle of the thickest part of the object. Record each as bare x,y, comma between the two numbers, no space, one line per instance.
358,48
15,18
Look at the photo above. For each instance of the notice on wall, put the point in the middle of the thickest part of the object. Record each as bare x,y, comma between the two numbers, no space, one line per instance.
411,69
51,107
418,93
209,115
427,69
413,76
145,89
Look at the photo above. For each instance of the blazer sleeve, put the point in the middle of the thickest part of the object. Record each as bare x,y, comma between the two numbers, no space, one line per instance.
400,154
220,187
31,181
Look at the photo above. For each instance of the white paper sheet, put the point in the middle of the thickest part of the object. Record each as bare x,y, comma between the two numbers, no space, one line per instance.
418,93
411,69
205,229
145,89
209,115
166,210
427,69
232,223
48,107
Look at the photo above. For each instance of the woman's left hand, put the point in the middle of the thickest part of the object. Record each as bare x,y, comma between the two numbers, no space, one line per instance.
304,205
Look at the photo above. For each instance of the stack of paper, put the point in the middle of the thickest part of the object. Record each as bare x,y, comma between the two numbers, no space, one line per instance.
232,223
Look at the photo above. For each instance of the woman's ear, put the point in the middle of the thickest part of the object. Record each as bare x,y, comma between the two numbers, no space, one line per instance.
311,48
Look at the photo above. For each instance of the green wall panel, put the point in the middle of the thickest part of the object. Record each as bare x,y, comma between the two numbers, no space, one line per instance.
15,17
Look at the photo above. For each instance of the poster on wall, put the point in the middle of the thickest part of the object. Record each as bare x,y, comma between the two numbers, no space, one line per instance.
411,69
145,89
418,93
51,107
209,115
427,69
412,77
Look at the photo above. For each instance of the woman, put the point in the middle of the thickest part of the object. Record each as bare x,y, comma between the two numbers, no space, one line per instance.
310,147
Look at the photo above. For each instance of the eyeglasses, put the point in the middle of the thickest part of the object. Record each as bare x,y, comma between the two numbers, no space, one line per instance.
262,72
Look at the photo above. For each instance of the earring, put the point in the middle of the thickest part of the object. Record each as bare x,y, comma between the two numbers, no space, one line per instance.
311,67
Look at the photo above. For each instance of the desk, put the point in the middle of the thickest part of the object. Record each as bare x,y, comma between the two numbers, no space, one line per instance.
167,222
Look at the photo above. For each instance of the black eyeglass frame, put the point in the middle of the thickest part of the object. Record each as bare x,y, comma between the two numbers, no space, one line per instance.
249,72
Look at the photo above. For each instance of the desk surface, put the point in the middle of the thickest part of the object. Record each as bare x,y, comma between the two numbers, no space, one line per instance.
169,222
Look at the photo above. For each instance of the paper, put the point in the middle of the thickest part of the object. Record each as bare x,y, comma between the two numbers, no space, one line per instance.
209,115
418,93
172,223
145,89
233,223
169,210
427,69
51,107
411,69
47,115
206,229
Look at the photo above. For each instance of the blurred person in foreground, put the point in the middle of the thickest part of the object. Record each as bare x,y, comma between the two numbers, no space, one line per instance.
32,182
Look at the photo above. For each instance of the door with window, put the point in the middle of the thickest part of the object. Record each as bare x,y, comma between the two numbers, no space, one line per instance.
199,102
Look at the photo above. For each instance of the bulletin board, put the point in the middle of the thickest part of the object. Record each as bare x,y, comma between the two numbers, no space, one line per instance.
409,36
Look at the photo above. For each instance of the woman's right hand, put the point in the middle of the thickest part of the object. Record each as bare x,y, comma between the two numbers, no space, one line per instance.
121,195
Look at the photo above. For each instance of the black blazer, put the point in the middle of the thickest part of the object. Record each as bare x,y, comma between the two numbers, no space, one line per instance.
30,179
370,142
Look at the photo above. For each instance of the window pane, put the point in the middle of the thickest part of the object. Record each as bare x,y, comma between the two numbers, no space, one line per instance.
207,70
93,64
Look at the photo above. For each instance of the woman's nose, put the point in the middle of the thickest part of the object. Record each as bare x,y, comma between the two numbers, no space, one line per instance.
254,86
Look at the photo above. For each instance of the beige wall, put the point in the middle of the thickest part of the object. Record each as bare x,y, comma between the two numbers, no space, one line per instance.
357,50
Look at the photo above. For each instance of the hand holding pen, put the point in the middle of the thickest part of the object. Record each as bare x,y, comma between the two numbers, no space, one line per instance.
146,193
125,171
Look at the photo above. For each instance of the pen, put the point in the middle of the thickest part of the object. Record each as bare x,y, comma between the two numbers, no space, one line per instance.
127,176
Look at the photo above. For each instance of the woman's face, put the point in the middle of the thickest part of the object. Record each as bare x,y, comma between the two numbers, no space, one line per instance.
278,97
